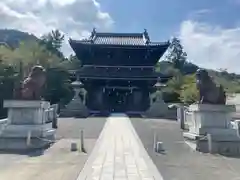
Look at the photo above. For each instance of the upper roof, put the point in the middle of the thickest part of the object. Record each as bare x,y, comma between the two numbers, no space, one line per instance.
138,39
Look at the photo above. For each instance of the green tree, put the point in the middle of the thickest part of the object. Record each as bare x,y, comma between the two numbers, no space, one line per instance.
72,63
189,93
31,53
176,54
158,67
53,42
7,78
59,89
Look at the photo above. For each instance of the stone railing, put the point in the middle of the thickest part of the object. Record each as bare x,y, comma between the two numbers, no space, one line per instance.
51,113
3,124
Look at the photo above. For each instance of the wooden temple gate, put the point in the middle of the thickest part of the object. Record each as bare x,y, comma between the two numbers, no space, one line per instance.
118,70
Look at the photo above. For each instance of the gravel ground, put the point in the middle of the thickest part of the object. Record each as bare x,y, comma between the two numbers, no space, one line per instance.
179,162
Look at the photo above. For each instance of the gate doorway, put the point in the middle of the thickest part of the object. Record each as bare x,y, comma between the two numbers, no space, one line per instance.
117,99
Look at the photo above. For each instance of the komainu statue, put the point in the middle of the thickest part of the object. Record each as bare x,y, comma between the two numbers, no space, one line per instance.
209,92
31,88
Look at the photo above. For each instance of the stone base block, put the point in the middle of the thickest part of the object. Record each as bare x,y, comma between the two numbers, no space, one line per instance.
21,131
218,133
17,137
157,110
229,146
27,112
19,144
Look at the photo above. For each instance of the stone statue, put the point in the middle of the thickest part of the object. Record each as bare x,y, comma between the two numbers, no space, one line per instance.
209,92
32,86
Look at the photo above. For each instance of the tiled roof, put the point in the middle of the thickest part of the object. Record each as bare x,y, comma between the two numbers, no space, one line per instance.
119,39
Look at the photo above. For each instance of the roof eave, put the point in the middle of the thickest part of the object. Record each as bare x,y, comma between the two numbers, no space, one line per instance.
89,43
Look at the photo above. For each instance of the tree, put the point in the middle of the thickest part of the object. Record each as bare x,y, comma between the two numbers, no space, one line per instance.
54,39
31,53
72,63
7,78
6,55
189,93
53,42
58,86
176,54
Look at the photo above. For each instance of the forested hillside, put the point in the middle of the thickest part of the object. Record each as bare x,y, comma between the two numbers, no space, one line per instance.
12,38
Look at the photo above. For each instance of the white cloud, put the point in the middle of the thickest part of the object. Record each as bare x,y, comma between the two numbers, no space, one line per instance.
200,13
75,18
211,47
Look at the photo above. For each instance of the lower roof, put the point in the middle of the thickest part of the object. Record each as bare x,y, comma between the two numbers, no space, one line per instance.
119,73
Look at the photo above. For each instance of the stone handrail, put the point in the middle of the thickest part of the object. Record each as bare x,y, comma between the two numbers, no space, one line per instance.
3,124
187,118
51,113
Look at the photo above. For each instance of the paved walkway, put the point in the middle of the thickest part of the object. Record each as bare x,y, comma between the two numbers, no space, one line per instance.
119,154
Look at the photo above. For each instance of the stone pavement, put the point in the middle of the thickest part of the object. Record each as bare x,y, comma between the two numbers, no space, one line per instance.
119,154
58,162
179,161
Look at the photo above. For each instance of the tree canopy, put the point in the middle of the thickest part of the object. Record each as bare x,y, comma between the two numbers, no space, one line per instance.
53,42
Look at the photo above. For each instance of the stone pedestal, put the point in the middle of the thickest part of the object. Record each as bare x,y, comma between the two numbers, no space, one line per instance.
29,125
158,108
76,108
206,120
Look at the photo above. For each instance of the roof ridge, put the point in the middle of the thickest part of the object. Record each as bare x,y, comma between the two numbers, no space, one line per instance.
119,34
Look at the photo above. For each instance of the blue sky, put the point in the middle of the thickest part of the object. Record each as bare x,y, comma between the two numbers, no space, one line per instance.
163,18
209,30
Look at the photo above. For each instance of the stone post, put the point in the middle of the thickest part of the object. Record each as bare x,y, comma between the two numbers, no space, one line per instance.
180,116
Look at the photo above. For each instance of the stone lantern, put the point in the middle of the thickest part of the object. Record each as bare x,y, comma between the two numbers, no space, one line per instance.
77,85
158,93
158,108
77,106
